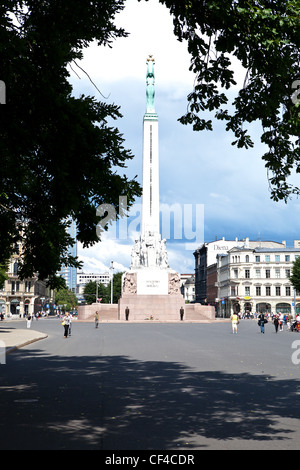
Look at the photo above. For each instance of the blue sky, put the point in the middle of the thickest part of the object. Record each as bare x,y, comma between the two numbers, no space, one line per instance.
196,169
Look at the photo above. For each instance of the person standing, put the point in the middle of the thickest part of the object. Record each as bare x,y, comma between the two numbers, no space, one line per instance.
234,322
181,313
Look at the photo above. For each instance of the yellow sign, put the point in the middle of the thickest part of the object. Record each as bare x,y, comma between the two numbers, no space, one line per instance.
247,298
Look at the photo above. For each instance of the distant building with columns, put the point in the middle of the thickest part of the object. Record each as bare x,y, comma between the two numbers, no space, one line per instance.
23,297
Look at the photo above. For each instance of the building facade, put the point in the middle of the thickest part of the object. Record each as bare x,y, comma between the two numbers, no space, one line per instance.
187,287
206,256
69,273
23,297
255,280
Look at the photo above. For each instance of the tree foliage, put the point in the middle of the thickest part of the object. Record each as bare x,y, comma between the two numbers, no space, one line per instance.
264,35
295,277
104,292
60,159
66,297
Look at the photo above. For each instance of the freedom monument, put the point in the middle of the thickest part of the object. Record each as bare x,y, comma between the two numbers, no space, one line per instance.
150,288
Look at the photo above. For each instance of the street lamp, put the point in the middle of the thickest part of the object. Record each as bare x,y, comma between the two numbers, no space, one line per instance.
112,281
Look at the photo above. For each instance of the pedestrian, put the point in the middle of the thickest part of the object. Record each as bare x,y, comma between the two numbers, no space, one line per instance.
181,313
288,322
96,319
127,313
29,321
70,326
276,323
66,324
281,319
261,322
234,322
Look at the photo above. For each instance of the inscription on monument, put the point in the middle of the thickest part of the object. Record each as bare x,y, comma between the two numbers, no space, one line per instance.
152,282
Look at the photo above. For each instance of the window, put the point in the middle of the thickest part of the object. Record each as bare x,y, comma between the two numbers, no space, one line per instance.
236,273
267,258
277,258
247,273
287,258
278,291
288,291
233,291
247,258
257,273
15,268
268,273
268,291
277,273
288,273
258,291
27,286
257,259
247,291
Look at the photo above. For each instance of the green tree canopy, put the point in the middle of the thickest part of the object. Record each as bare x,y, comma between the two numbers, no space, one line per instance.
117,287
60,159
104,292
295,277
90,293
66,297
264,36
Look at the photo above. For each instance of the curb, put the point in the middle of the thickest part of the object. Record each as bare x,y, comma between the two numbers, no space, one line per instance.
26,343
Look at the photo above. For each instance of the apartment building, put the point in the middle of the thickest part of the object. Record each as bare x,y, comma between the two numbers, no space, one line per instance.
206,257
254,280
23,297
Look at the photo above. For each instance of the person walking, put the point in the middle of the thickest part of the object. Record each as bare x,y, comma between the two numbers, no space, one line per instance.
288,321
261,322
96,319
66,324
234,322
276,323
29,319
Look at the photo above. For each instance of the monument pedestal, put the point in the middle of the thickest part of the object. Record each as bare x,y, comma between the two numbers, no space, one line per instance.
151,293
151,307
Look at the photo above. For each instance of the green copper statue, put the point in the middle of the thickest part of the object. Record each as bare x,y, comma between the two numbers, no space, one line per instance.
150,79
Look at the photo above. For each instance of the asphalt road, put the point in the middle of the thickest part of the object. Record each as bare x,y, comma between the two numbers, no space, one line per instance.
152,386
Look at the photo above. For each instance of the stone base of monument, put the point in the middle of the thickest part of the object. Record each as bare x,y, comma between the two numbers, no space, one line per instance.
149,294
151,307
145,308
154,294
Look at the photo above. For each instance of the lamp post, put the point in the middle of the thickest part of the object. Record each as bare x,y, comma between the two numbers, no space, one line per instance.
112,281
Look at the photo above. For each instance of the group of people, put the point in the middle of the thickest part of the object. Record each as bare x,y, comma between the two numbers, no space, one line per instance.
278,320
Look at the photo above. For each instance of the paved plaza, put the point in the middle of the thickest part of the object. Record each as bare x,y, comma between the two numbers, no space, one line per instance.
151,387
